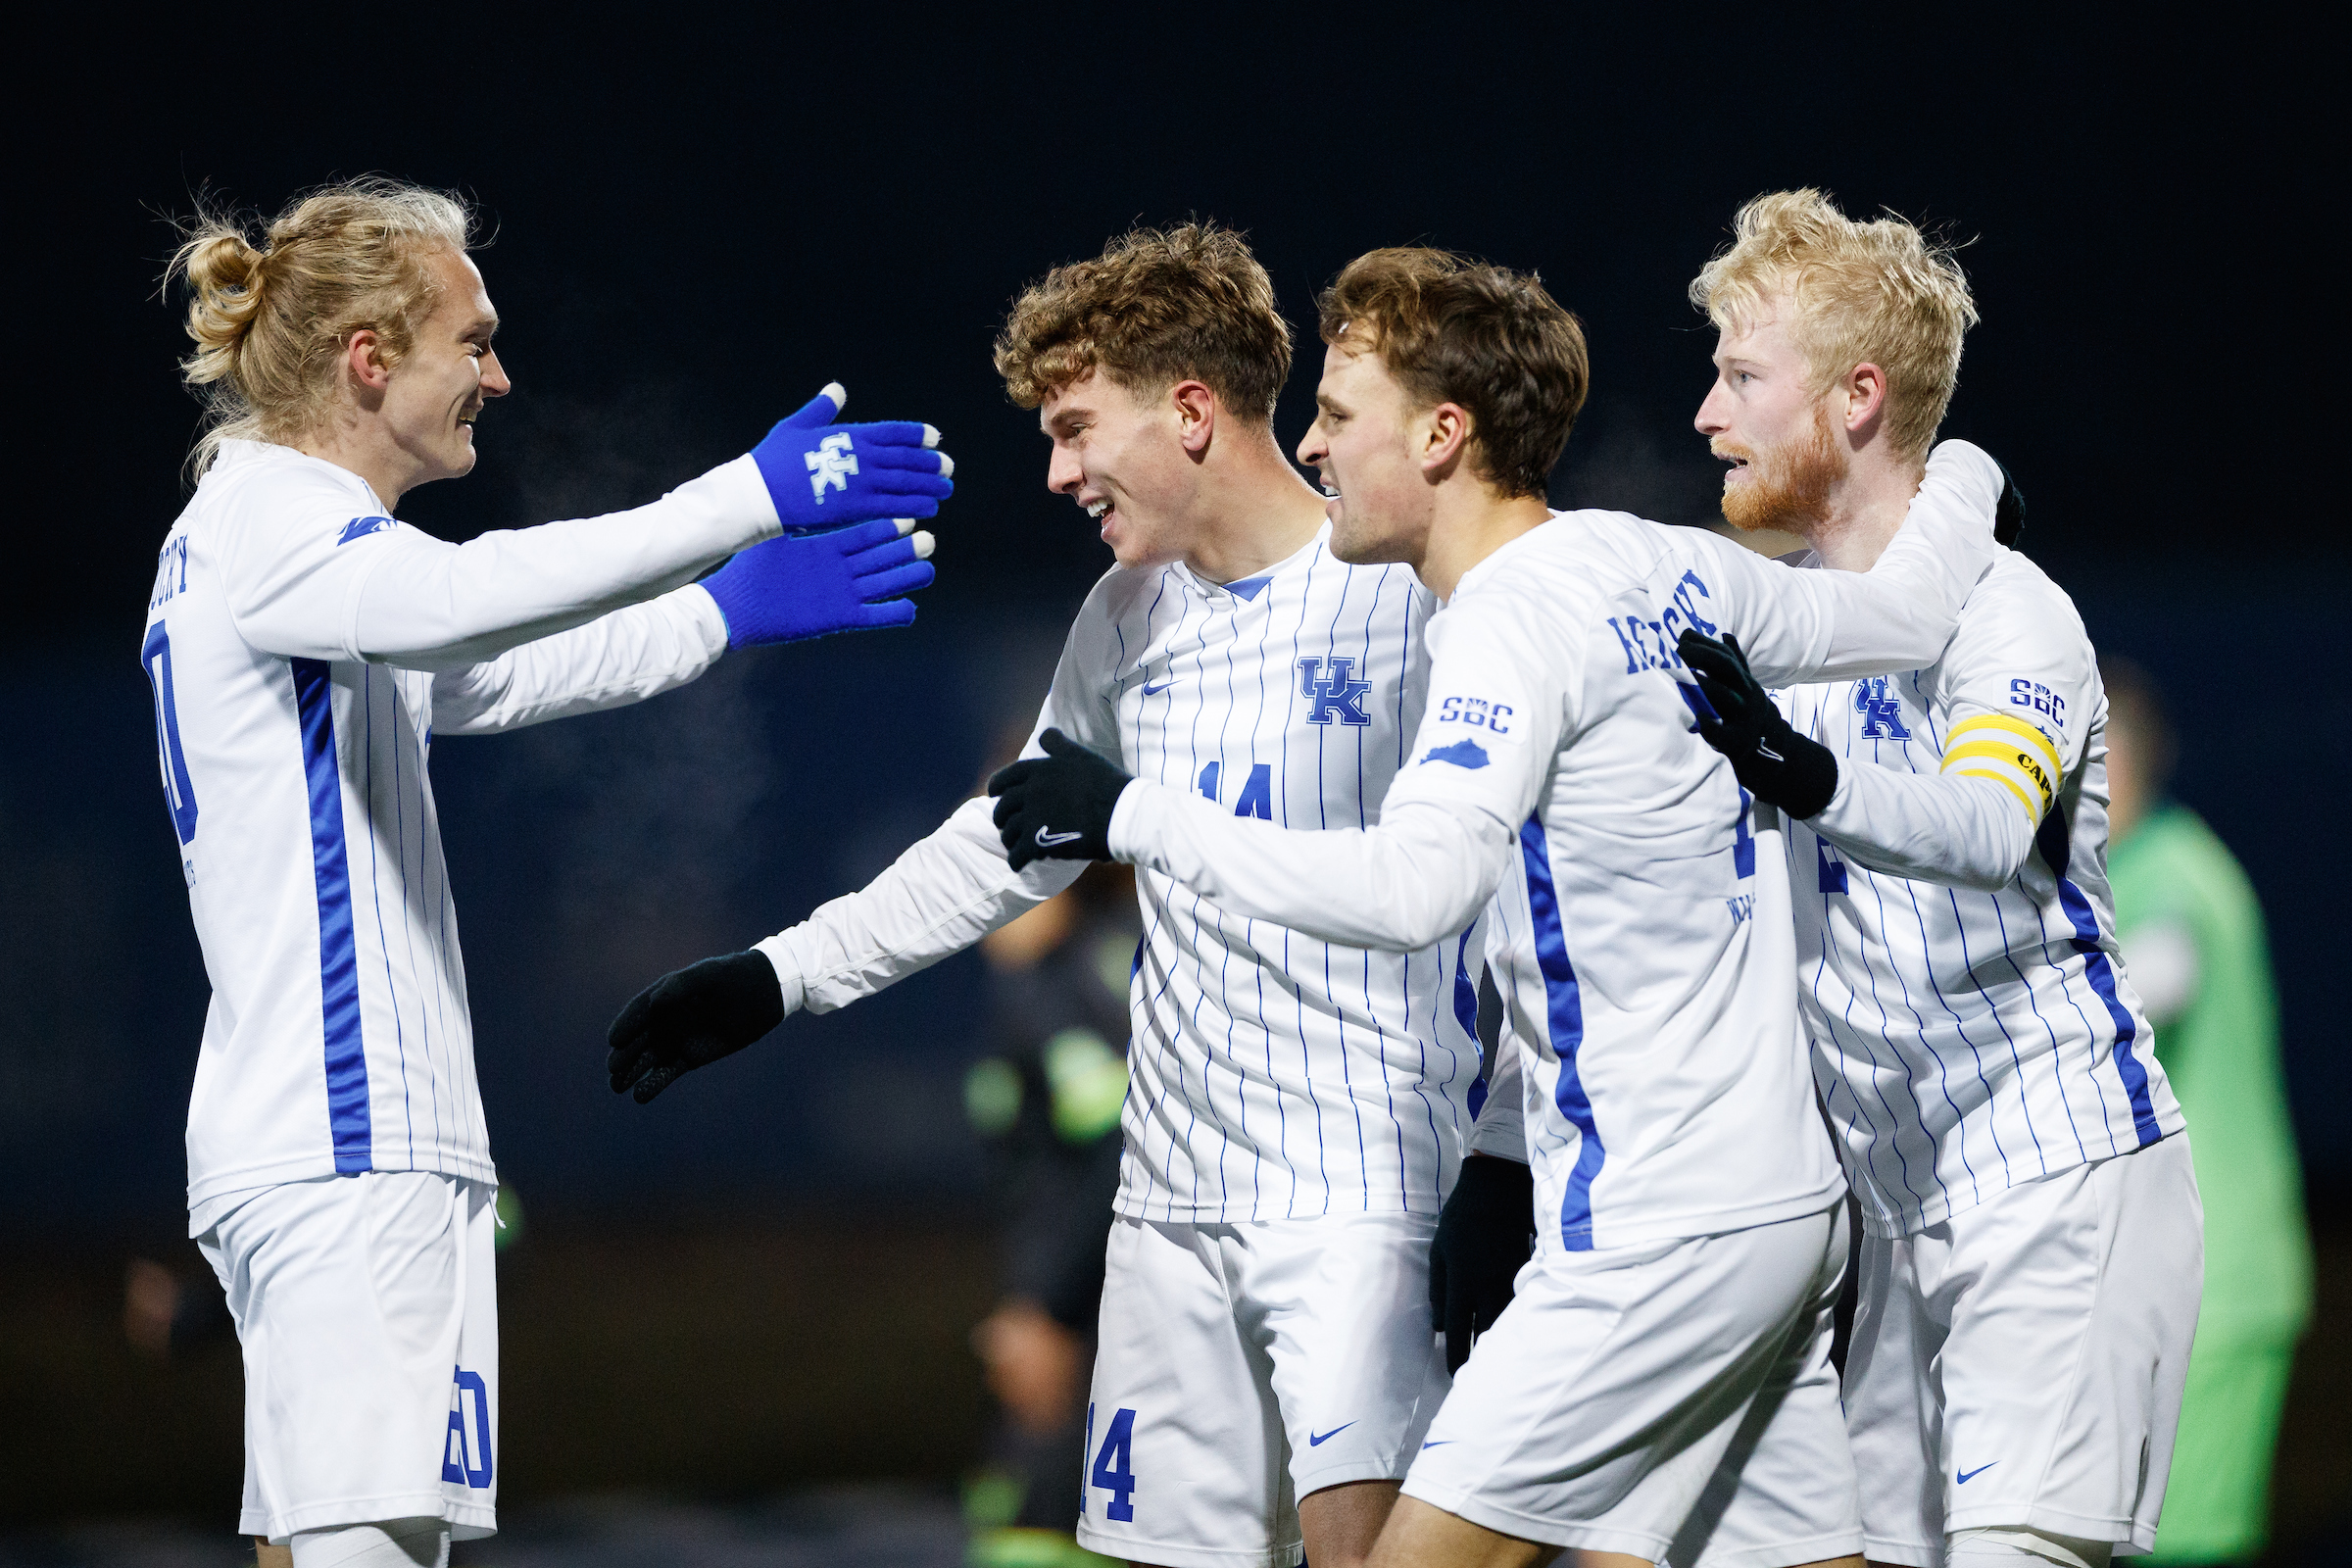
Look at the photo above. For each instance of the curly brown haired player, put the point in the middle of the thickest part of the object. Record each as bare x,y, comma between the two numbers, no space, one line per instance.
1298,1108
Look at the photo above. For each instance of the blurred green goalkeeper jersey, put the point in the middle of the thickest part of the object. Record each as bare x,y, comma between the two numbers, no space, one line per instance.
2182,895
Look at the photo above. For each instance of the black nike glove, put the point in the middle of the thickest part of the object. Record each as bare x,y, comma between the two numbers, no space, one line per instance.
691,1017
1774,761
1485,1233
2008,512
1058,806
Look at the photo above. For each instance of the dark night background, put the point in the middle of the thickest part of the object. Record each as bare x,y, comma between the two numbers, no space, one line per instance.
696,225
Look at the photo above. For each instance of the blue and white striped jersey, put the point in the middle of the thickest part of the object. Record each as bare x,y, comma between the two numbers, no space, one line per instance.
1655,1073
1273,1075
1967,1038
304,649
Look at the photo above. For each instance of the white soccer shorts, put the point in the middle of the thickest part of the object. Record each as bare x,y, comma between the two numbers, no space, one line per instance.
1241,1367
1673,1401
368,1307
2021,1364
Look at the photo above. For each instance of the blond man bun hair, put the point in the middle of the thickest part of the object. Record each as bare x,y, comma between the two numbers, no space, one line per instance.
270,321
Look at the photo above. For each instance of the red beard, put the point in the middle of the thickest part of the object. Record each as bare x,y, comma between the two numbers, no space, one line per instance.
1788,488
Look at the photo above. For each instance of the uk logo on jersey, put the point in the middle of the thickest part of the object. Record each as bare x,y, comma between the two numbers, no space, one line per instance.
1329,684
831,463
1881,714
360,528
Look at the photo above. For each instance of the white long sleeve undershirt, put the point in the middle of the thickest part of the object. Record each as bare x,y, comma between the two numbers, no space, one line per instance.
429,605
1951,829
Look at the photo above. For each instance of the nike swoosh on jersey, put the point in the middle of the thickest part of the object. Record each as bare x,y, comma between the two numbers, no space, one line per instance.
1440,1442
1315,1442
1151,690
1048,840
1964,1477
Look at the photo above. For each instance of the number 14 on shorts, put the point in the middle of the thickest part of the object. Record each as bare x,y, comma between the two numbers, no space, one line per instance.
1112,1467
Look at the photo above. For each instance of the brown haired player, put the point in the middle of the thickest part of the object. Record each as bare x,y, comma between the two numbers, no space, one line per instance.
1297,1107
1661,1380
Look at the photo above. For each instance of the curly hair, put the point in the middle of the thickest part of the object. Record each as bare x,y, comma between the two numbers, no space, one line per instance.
1881,293
1157,307
270,321
1453,330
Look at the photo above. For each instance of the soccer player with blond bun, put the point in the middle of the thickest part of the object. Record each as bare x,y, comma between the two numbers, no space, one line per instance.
2032,1247
304,649
1660,1385
1297,1107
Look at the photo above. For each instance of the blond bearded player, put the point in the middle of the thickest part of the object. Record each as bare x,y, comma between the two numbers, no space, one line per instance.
2033,1250
305,648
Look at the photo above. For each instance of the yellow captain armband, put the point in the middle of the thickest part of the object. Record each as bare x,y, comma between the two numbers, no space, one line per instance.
2010,752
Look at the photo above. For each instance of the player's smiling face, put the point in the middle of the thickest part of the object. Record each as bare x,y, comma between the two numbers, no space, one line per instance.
1123,458
439,386
1764,417
1365,443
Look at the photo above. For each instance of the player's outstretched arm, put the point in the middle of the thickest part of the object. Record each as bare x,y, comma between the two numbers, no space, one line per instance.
785,590
947,891
320,586
690,1018
1800,626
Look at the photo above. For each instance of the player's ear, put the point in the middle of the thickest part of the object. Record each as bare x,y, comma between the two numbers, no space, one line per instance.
364,358
1445,437
1865,388
1196,415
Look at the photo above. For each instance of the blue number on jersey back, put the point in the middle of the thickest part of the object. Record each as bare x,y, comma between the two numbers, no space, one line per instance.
1113,1466
1743,842
179,793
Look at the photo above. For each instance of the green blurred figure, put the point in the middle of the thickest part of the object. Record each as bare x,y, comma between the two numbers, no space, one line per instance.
2193,943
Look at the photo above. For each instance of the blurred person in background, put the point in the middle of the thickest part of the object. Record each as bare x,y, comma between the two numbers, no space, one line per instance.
2192,936
1045,1101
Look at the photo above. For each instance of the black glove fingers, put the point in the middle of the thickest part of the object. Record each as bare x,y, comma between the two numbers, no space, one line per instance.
631,1020
653,1082
1015,774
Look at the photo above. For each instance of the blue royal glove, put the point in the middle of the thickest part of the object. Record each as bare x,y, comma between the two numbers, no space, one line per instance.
825,475
784,590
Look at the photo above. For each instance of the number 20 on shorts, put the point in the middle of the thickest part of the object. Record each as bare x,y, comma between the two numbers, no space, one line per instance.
1113,1466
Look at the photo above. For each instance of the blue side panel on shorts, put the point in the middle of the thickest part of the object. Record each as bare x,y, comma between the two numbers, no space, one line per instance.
338,956
1566,1016
2102,975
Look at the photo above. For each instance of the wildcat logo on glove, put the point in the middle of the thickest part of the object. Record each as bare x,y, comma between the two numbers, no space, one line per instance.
831,463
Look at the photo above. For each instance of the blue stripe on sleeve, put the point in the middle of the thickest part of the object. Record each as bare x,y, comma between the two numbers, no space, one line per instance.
1465,1012
1566,1017
338,953
2102,980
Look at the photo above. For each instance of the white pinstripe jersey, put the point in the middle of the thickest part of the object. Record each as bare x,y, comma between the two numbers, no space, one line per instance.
1966,1041
1274,1076
295,771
